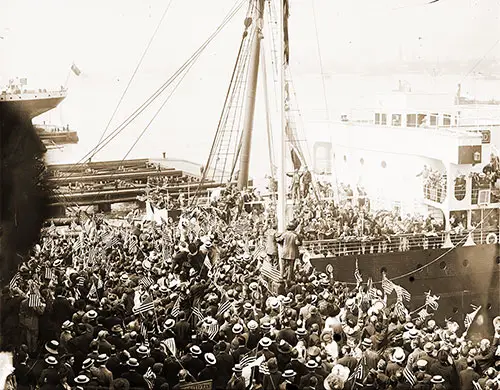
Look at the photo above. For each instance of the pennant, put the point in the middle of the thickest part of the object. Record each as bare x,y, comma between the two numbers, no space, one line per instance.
92,295
76,70
143,308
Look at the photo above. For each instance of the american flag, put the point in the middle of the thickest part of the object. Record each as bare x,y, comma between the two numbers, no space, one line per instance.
476,385
225,306
150,377
246,360
357,374
469,318
77,246
372,291
143,308
111,241
263,368
78,294
14,282
409,376
34,300
146,282
431,301
423,314
402,293
270,272
387,285
144,331
170,343
199,315
213,329
177,307
49,273
399,309
357,274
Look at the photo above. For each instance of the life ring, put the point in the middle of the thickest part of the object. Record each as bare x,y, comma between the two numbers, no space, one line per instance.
492,238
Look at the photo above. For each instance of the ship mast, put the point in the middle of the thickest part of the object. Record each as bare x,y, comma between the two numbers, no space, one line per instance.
246,144
281,203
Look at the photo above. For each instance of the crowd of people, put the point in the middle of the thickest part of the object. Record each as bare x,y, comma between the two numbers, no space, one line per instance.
155,307
434,183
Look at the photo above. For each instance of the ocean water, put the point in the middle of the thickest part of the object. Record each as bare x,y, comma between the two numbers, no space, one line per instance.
186,125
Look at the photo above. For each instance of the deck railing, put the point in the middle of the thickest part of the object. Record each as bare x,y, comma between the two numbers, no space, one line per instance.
400,242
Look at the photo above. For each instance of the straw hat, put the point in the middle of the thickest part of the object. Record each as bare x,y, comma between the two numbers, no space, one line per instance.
210,359
437,379
82,379
398,355
52,347
51,360
265,342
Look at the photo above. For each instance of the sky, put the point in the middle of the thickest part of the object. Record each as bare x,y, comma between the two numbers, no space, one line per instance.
40,39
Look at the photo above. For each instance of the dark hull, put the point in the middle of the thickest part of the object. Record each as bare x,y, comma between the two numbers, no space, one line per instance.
33,107
461,277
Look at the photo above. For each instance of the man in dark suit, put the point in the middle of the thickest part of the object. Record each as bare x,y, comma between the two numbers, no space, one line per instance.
469,375
290,242
135,379
182,330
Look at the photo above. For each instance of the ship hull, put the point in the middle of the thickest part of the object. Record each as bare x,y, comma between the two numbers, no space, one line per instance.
33,107
461,277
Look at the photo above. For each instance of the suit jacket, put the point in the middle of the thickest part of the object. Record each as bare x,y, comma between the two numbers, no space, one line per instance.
467,376
291,242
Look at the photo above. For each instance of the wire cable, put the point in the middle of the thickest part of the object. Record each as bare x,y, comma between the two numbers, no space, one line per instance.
135,70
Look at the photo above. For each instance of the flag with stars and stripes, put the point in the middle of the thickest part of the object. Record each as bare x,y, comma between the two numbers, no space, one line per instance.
143,308
144,331
409,376
225,306
469,318
402,293
213,329
34,300
14,282
431,301
246,360
371,291
263,368
146,282
387,285
176,309
109,242
198,314
270,272
357,274
399,309
49,273
170,344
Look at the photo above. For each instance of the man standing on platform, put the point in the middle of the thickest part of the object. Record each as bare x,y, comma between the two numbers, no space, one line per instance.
290,242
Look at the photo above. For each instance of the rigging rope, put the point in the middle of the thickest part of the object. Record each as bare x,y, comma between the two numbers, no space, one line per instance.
135,70
186,65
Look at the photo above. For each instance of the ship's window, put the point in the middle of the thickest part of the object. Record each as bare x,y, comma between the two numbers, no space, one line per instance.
465,263
411,279
383,270
383,119
384,164
377,118
433,120
396,119
446,120
362,161
411,120
460,187
442,265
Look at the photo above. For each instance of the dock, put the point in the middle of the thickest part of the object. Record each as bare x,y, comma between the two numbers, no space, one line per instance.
104,183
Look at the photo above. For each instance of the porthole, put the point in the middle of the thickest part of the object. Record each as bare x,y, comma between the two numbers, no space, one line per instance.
384,164
411,279
442,265
465,263
383,270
